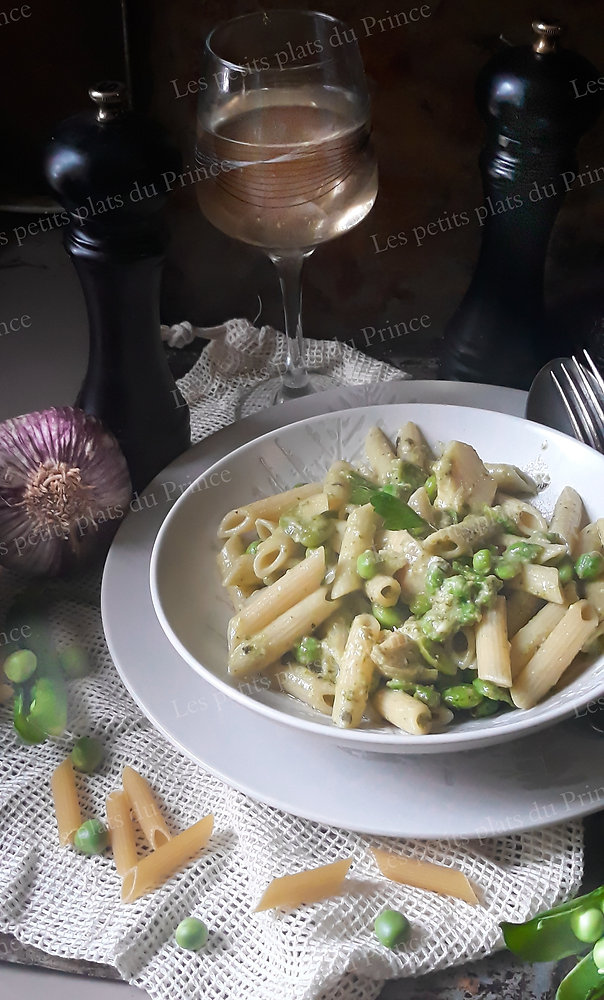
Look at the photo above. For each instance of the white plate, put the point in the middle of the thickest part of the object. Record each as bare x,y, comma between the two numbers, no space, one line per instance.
550,777
193,607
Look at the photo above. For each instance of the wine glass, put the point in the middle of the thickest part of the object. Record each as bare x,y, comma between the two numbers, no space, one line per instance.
283,155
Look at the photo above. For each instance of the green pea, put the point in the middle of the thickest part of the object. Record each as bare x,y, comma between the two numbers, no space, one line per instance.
589,566
19,666
387,617
524,551
420,605
431,488
91,838
492,691
566,571
391,928
87,754
461,696
48,708
485,709
435,578
428,695
191,934
367,564
308,650
598,954
457,586
482,562
74,661
253,546
507,570
587,925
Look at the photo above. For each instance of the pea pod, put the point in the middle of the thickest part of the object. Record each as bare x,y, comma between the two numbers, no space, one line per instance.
549,936
584,982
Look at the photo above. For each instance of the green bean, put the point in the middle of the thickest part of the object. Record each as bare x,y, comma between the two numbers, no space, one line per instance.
482,562
431,488
20,666
87,753
492,691
251,549
191,934
391,928
91,838
590,565
367,564
387,617
308,650
461,696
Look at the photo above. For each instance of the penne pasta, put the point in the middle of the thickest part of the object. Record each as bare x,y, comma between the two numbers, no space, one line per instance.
492,646
123,842
337,485
520,608
274,554
315,691
510,479
242,573
425,875
383,590
355,673
157,867
527,640
381,454
526,517
311,886
242,519
462,538
403,711
546,666
411,446
541,581
67,807
567,517
358,537
145,808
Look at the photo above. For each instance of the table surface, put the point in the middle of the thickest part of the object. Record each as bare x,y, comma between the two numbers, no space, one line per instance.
46,361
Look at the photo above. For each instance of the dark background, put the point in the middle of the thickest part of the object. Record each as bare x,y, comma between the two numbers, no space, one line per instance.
427,134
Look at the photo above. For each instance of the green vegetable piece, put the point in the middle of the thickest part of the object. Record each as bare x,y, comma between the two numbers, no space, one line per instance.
87,753
91,838
507,570
387,617
392,489
48,708
461,697
431,488
482,562
598,954
492,691
74,661
524,551
566,571
485,709
420,605
588,925
435,578
308,650
584,982
391,928
467,613
251,549
456,586
362,489
397,684
427,694
310,532
589,566
191,934
27,730
398,515
436,656
549,936
20,666
367,564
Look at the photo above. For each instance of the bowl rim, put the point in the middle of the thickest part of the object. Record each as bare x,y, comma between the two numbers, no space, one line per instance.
361,738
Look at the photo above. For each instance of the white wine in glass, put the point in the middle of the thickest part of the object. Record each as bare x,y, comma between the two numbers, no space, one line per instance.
284,147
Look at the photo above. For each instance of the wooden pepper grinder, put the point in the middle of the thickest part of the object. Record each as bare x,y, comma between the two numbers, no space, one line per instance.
108,168
528,96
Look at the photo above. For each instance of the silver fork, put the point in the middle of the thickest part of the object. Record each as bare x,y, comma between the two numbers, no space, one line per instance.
583,396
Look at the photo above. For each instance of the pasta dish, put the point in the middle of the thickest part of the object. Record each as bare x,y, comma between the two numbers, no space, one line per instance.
415,590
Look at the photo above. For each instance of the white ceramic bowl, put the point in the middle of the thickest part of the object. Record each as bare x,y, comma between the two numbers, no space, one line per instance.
193,608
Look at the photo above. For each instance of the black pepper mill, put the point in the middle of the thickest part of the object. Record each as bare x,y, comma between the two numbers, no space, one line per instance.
536,104
109,168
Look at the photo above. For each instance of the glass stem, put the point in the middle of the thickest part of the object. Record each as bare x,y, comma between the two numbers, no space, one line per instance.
289,269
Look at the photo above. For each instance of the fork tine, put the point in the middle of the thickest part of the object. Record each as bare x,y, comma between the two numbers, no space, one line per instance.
589,433
594,371
592,402
571,413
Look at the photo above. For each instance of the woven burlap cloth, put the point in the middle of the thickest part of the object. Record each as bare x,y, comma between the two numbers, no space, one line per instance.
68,905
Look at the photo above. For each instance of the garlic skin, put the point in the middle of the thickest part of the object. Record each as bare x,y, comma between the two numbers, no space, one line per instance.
64,487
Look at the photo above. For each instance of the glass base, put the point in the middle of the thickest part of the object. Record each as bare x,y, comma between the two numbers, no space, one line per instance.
272,392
